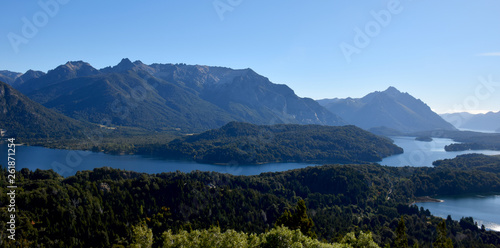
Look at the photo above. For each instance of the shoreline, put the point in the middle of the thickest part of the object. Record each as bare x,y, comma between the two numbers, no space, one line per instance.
425,199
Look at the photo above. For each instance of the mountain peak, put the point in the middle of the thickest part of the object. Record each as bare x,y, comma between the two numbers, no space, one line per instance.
390,109
125,62
137,62
76,68
30,74
78,63
70,70
124,65
392,90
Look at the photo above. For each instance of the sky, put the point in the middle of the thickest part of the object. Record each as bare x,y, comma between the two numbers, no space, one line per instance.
446,53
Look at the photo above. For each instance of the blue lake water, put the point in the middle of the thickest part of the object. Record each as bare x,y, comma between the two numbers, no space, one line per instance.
484,209
67,163
417,153
421,153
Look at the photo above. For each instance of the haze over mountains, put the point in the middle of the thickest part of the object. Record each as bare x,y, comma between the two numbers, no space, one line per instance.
195,98
8,76
489,122
387,109
159,97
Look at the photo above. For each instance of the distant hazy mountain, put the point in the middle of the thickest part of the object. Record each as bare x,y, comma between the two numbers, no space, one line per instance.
21,117
479,122
168,96
62,73
27,76
389,109
8,76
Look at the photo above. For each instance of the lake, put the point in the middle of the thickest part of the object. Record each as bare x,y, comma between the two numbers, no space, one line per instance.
417,153
67,163
421,153
484,209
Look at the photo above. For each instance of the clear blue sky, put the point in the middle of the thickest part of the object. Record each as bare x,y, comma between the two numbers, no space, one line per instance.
434,50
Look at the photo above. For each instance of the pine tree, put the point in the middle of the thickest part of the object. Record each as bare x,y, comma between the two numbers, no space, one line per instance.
401,238
297,220
442,240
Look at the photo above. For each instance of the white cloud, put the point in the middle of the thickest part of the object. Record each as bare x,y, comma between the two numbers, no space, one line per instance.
489,54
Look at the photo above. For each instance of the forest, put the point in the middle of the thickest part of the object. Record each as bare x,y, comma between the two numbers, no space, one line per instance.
330,204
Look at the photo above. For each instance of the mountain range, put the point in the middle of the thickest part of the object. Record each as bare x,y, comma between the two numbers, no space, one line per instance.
158,97
387,110
195,98
489,122
16,79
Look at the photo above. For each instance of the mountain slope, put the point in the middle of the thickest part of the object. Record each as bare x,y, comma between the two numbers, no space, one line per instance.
390,109
128,100
191,98
482,122
246,94
23,118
